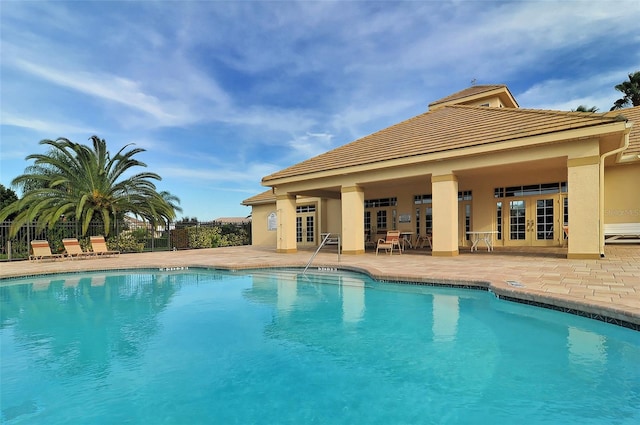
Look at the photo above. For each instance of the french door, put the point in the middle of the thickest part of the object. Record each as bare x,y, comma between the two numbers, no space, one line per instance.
533,221
424,220
464,223
306,229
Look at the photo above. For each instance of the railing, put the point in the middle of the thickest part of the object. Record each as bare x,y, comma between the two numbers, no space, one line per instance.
125,236
327,240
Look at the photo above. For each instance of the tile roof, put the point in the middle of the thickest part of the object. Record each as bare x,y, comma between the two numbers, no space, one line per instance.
445,129
233,220
470,91
262,198
633,114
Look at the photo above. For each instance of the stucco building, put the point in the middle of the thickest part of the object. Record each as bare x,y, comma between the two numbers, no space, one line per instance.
475,161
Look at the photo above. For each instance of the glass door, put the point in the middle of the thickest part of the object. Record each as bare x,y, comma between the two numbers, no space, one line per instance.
464,223
545,229
424,220
518,223
306,226
533,222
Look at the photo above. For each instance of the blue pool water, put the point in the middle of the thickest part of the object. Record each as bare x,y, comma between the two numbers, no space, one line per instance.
275,347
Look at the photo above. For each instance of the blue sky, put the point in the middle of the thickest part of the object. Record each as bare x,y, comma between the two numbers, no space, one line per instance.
221,94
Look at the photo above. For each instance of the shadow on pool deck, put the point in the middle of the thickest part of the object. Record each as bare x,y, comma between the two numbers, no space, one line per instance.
606,289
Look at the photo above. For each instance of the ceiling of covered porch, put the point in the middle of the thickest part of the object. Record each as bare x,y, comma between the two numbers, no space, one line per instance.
523,172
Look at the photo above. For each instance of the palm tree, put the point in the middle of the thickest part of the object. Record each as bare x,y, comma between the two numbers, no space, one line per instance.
77,181
583,108
631,90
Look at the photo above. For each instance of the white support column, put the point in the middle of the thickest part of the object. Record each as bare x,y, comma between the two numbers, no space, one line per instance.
583,181
352,220
444,190
286,233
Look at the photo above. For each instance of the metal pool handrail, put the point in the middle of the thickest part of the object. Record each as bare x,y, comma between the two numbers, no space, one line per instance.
327,240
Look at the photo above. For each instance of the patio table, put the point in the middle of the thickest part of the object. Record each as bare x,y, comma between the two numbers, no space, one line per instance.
406,239
486,237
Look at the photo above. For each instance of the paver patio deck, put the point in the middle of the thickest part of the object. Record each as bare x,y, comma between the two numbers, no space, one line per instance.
608,288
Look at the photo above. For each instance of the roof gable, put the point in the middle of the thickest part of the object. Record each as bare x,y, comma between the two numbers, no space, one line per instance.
476,94
265,197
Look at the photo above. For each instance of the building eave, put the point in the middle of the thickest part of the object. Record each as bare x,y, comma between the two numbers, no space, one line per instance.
453,154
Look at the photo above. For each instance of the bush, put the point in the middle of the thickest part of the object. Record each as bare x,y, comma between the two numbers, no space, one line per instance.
234,239
141,234
233,235
125,242
204,237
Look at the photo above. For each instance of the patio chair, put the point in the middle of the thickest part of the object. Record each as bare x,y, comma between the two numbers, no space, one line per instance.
99,246
389,242
74,250
41,250
368,239
422,239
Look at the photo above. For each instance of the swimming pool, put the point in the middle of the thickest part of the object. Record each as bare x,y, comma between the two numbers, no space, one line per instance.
276,347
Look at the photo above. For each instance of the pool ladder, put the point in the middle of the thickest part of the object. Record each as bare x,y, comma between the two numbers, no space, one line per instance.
327,239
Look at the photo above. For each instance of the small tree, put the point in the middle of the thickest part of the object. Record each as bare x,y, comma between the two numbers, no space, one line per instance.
583,108
631,90
186,222
7,197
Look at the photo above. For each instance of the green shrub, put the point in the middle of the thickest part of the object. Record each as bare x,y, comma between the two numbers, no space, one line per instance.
233,239
125,242
141,234
204,237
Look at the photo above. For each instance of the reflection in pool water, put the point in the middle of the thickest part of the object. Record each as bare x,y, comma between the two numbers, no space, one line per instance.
269,347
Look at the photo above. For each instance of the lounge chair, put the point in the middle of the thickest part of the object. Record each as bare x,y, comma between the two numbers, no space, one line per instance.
41,250
389,242
99,246
74,250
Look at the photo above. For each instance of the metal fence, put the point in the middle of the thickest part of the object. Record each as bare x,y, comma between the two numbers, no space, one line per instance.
125,236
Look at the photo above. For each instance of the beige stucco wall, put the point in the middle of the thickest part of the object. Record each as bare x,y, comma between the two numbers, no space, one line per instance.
622,194
286,233
494,102
332,219
352,223
584,207
445,215
328,219
260,236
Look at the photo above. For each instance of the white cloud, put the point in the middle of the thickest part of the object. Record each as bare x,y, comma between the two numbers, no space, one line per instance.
109,87
224,93
354,117
310,144
43,126
269,119
567,94
496,41
232,173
